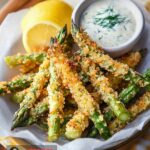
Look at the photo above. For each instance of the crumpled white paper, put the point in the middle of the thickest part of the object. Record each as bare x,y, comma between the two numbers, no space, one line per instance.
10,43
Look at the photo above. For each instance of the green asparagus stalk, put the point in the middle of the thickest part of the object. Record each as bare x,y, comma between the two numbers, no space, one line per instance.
84,100
109,115
42,124
38,111
95,53
18,83
96,117
39,81
56,97
21,59
135,109
147,76
35,58
93,132
18,97
127,95
131,90
76,125
68,114
141,105
41,108
132,59
56,104
101,83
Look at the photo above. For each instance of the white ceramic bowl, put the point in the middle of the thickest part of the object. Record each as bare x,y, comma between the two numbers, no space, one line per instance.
127,46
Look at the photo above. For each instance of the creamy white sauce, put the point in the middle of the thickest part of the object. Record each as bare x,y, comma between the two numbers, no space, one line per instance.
108,22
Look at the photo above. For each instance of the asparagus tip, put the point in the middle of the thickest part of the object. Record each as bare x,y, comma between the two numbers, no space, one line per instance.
62,34
20,118
74,28
125,117
9,61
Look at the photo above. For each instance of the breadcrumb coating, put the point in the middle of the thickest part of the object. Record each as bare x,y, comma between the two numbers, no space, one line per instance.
132,59
76,125
37,85
84,100
102,85
142,104
91,50
56,104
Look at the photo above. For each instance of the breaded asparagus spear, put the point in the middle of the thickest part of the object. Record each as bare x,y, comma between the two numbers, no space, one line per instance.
29,68
40,111
42,123
132,59
39,81
19,96
91,50
68,114
37,111
24,59
30,62
135,109
27,62
56,98
18,83
76,125
101,83
132,89
84,100
56,104
126,96
129,93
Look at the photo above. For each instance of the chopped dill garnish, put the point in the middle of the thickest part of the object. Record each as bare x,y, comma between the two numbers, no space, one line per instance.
108,18
98,31
100,37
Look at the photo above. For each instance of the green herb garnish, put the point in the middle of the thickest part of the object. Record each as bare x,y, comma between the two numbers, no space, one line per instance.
108,18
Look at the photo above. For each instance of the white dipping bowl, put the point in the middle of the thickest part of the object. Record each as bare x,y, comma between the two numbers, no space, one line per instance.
127,46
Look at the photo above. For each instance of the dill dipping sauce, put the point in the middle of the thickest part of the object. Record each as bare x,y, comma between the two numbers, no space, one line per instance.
109,23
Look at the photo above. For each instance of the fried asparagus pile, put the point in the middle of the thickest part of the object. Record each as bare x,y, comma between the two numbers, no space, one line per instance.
76,94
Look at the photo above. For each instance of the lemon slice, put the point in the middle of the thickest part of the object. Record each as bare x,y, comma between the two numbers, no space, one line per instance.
37,38
42,22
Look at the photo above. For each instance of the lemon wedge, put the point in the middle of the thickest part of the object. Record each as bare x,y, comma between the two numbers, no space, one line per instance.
42,22
37,38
